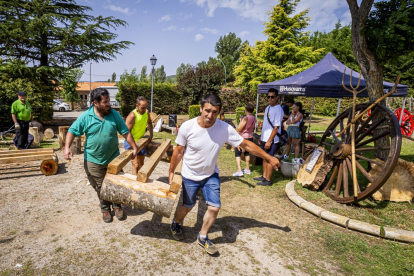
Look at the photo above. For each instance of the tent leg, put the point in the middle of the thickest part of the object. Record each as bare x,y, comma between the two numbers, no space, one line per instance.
339,106
310,115
402,111
257,109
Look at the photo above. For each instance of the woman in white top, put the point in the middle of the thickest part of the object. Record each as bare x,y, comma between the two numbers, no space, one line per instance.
293,131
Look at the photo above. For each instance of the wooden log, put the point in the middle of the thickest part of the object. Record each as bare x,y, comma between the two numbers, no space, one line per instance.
50,167
76,146
27,151
153,196
314,180
121,160
4,149
63,130
19,153
149,166
177,181
153,146
49,134
36,139
8,160
400,185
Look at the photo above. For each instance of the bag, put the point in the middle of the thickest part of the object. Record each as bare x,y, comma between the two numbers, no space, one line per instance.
283,136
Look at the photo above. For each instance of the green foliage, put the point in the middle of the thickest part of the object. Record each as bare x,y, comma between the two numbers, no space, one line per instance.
283,54
240,113
160,75
193,111
181,70
228,51
143,76
69,84
113,78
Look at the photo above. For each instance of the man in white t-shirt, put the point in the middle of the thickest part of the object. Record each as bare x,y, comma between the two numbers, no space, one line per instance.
269,140
198,144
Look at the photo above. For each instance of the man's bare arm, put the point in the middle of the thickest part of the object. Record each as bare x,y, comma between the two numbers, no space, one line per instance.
175,160
69,139
257,151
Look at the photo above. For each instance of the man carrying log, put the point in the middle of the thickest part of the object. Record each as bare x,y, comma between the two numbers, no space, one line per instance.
137,122
198,144
21,112
100,123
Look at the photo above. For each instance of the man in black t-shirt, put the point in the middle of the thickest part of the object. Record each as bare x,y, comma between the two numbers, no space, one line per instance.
286,110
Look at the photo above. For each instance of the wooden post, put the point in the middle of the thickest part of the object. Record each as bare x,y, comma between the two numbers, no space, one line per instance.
149,166
35,132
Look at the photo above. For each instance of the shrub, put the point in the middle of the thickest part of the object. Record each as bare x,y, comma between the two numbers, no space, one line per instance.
193,111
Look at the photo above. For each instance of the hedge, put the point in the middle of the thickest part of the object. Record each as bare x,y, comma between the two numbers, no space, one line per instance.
194,111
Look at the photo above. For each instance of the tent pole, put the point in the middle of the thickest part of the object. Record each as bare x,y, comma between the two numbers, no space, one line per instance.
402,110
310,116
257,109
339,106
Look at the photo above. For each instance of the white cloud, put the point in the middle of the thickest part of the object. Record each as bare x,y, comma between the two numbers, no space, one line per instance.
184,16
198,37
242,34
125,11
165,18
210,31
170,28
187,29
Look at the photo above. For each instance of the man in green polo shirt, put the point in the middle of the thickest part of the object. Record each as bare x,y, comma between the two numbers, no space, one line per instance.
21,112
101,125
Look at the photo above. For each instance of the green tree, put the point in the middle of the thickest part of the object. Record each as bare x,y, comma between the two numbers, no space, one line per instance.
228,51
283,54
69,84
113,79
182,69
160,75
143,76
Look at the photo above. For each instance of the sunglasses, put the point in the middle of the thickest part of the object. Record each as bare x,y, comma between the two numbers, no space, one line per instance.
271,97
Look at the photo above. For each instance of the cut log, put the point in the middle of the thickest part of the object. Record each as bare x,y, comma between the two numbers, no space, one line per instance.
50,167
4,149
76,146
26,158
49,134
149,166
322,167
153,196
36,139
399,186
177,181
121,160
153,146
19,153
63,130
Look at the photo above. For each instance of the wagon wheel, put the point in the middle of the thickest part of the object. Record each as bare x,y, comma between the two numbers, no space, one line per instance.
407,125
381,123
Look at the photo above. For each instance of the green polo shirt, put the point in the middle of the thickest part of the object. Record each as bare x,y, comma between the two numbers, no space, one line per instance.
101,145
23,111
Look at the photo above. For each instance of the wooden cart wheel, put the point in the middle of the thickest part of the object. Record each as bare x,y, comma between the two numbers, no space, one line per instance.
50,167
407,124
381,123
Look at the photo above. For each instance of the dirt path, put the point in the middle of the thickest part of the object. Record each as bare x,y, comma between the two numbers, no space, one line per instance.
52,226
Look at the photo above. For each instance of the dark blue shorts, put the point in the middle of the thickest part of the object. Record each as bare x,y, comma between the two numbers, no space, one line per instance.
210,187
272,150
127,146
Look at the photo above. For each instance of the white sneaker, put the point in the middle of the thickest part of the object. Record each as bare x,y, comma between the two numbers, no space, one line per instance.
246,172
285,157
238,174
295,161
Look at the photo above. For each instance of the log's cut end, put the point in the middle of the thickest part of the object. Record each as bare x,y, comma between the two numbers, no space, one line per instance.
316,177
153,196
400,185
50,167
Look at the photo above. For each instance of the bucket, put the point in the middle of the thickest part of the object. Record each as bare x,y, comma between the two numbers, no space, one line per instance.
289,169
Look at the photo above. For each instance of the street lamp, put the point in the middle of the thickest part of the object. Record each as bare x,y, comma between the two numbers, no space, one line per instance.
225,74
153,60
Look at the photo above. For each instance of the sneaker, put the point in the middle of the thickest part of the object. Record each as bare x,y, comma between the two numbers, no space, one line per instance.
301,161
177,231
265,183
260,178
107,216
208,245
246,171
119,213
285,157
238,174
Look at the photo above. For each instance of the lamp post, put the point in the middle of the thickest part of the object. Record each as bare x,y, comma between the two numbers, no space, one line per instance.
153,60
225,73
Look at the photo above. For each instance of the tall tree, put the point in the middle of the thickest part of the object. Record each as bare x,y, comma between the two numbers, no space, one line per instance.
228,51
160,75
69,84
283,54
182,69
113,78
143,75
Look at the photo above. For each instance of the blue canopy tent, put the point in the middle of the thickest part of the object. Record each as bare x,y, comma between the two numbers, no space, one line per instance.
324,79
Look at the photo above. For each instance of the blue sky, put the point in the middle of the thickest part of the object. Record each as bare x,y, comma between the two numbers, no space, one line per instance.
185,31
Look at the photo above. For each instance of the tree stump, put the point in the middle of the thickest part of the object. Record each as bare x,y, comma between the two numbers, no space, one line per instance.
35,133
49,134
399,186
76,146
314,179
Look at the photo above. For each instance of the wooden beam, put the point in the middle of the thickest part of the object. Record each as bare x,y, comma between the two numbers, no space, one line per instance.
177,181
121,160
15,153
8,160
153,146
149,166
27,151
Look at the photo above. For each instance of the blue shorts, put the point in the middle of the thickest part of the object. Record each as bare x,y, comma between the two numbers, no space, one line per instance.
272,150
127,146
210,187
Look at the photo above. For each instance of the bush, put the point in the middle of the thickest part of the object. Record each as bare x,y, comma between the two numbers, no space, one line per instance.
193,111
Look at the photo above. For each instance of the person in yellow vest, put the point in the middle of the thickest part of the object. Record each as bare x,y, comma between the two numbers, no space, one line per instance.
137,122
21,113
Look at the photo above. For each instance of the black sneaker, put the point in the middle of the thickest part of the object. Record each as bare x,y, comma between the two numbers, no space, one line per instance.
260,178
265,183
208,245
177,231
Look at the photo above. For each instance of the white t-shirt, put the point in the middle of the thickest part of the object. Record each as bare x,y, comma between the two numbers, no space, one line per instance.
275,116
202,147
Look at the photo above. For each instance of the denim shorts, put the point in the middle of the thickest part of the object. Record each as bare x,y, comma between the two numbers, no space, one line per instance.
272,150
127,146
210,187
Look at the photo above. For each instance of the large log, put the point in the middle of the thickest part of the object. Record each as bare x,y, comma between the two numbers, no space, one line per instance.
323,166
63,130
149,166
49,134
399,186
116,165
50,167
153,196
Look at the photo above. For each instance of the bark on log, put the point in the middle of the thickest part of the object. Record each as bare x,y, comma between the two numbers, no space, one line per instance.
314,180
49,134
153,196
